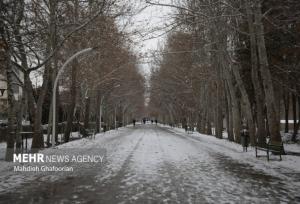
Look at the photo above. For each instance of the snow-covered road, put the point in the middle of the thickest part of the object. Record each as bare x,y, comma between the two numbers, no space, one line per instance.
152,164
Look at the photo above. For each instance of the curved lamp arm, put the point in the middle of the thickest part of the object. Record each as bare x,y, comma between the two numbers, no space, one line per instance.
55,87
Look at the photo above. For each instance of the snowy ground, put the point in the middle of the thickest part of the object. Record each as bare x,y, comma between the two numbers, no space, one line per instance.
157,164
29,141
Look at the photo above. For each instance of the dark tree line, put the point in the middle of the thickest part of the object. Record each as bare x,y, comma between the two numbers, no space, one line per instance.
37,37
228,64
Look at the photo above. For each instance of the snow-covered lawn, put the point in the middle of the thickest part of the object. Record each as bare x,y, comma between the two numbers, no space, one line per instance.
235,151
10,179
29,141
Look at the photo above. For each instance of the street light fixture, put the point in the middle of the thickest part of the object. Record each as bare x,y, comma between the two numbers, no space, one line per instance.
55,88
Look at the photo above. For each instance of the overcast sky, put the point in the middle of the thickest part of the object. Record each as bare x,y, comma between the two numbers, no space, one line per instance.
151,22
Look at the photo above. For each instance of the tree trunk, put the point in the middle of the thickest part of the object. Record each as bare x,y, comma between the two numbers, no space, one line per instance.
86,114
49,124
235,106
72,102
199,122
203,122
286,100
38,138
229,117
219,112
10,139
19,122
73,85
297,126
246,103
21,104
294,138
294,102
30,98
274,125
258,92
208,112
53,41
98,104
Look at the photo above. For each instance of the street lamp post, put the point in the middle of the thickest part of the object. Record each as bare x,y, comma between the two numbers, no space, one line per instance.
101,103
101,100
100,113
55,87
115,117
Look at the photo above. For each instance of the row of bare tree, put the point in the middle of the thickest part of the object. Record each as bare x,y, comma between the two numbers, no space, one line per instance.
229,63
37,37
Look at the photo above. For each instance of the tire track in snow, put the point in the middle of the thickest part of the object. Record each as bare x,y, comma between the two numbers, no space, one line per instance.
112,190
172,172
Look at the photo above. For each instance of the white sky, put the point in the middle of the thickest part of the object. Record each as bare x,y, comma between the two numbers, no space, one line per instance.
151,23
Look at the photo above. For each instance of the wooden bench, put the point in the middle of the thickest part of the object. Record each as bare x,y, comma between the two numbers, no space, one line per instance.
273,147
90,133
87,132
190,130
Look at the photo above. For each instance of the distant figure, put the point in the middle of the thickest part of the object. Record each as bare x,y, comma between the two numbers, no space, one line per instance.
244,137
185,128
144,120
156,121
151,121
133,121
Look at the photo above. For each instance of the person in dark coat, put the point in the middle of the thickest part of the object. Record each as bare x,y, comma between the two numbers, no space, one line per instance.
133,121
244,137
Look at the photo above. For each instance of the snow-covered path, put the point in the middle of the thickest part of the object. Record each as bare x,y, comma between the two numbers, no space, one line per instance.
152,164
